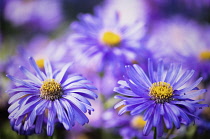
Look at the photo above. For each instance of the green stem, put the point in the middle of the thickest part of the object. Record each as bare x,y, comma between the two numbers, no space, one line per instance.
26,137
155,133
170,132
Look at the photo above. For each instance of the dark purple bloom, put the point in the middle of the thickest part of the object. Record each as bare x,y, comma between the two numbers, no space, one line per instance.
163,96
47,98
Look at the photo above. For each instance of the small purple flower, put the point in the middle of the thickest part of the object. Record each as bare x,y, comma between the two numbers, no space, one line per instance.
162,96
47,98
102,37
40,48
34,14
182,40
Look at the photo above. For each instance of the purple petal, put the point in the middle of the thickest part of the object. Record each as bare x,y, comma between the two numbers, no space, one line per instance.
159,128
48,69
51,119
18,81
30,75
148,126
123,83
151,70
167,120
61,74
124,91
160,70
139,109
36,68
142,76
39,109
169,73
183,79
22,89
82,91
39,122
194,94
18,96
176,73
62,116
27,108
192,86
76,102
80,116
81,98
69,110
72,79
173,116
189,106
156,118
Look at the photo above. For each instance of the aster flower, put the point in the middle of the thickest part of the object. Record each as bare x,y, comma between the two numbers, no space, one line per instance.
182,40
41,48
47,98
102,37
133,128
34,14
163,96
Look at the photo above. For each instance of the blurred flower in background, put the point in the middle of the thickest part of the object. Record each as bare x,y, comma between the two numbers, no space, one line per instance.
102,36
32,13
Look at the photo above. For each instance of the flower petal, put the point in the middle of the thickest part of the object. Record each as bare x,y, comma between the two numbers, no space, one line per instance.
30,75
61,74
48,69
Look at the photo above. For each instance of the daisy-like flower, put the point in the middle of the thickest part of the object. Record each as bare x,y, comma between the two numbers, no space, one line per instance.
162,96
104,38
182,40
48,98
34,15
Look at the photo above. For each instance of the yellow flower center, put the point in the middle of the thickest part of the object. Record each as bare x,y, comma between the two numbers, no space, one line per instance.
138,122
40,63
110,38
51,90
205,55
161,92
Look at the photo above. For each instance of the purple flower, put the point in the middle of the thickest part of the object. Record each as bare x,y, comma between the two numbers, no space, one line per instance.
34,14
40,48
101,39
182,40
126,126
47,98
162,96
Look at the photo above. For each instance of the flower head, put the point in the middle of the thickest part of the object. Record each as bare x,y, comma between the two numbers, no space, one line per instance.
182,40
34,14
162,96
40,48
47,98
101,36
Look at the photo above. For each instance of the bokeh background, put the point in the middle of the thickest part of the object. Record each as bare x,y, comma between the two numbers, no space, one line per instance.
175,30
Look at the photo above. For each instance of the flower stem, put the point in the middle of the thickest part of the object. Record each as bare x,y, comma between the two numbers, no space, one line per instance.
170,132
155,133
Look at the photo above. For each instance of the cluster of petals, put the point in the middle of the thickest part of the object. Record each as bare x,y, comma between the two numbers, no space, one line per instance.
29,112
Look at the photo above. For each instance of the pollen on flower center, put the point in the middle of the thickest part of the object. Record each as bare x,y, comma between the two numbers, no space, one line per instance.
161,92
51,90
205,55
111,38
138,122
40,63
